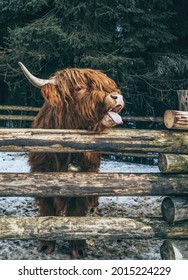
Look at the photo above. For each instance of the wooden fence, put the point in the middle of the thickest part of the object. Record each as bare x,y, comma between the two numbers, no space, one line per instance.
17,116
21,117
170,143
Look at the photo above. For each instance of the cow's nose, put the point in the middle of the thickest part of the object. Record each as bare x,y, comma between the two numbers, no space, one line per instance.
114,96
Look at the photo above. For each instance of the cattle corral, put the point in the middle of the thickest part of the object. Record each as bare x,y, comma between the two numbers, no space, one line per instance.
126,229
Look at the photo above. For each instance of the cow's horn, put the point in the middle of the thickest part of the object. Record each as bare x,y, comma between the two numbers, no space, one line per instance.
34,80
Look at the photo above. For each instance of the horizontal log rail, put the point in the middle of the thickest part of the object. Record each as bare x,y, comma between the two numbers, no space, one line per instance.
126,118
36,109
18,108
16,118
142,119
114,140
84,184
88,227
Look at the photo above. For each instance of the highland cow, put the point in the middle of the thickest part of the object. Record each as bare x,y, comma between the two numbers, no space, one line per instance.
74,99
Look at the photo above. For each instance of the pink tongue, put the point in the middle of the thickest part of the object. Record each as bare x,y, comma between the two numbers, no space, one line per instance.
115,117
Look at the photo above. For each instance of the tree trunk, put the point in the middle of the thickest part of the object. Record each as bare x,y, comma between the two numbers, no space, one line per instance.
174,209
174,250
172,163
114,140
176,119
88,184
88,227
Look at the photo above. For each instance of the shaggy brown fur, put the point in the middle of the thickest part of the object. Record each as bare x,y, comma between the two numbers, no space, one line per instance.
80,100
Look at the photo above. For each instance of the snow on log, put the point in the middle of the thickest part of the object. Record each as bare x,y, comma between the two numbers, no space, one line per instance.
174,209
173,163
174,250
114,140
88,227
88,184
176,119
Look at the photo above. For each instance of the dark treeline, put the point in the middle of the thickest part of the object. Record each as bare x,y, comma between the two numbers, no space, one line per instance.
142,45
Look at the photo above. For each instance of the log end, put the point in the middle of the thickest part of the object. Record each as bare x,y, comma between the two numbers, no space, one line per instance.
166,251
169,118
162,163
168,210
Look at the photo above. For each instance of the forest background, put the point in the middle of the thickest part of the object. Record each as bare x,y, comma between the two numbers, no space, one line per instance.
142,45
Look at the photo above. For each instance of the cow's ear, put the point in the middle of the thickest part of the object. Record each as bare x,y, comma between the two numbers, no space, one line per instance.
51,95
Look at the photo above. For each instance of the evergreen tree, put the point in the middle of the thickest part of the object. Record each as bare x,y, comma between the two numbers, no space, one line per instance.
134,41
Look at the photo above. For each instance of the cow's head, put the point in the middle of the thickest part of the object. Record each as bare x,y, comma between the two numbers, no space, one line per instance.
89,98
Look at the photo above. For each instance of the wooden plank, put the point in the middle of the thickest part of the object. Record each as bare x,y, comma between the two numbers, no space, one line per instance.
88,184
88,227
114,140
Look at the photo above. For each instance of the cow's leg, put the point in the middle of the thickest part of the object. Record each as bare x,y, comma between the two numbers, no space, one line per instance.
78,248
90,162
80,206
77,206
93,204
46,208
73,206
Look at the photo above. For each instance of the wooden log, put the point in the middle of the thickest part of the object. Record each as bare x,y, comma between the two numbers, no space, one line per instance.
128,119
142,119
88,227
173,163
183,100
114,140
135,119
88,184
174,209
174,250
18,108
17,118
176,119
125,118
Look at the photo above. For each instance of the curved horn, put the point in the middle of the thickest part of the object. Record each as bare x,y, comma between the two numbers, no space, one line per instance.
34,80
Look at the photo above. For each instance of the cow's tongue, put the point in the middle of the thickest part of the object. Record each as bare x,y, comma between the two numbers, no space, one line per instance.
115,117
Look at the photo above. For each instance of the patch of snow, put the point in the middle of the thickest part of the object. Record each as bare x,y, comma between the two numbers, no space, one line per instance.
14,162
